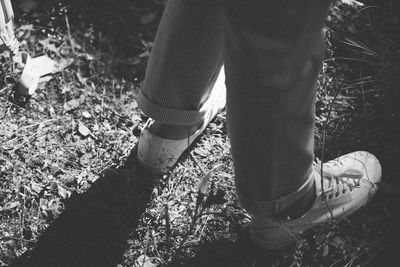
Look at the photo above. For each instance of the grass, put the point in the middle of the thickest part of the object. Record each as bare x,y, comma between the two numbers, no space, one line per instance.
62,205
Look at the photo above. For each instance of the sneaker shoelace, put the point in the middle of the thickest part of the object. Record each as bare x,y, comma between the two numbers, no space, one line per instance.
338,178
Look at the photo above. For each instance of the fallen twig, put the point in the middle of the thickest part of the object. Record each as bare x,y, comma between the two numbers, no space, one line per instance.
38,123
22,222
69,34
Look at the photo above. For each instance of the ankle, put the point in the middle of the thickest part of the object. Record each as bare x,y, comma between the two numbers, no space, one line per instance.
301,206
171,131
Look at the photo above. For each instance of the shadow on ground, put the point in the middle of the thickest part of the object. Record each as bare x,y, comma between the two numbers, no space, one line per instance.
95,225
226,253
93,229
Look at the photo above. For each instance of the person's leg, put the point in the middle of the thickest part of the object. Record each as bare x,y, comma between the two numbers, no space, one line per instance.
273,54
185,61
184,88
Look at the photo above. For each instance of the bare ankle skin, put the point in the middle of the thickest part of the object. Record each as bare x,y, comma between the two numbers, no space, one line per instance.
174,132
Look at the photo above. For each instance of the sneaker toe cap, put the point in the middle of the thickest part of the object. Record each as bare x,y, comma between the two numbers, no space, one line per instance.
373,168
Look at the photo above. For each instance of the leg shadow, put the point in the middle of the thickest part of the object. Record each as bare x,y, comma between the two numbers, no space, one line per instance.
226,253
94,227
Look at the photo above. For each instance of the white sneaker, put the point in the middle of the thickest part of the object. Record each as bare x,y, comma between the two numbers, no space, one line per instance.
349,182
161,154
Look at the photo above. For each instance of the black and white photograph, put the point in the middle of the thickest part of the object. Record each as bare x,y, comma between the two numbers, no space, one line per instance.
199,133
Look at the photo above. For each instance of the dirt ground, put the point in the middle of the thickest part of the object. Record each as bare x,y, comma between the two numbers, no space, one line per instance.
72,193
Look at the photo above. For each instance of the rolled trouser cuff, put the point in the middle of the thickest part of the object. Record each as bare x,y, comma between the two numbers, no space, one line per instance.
169,115
272,208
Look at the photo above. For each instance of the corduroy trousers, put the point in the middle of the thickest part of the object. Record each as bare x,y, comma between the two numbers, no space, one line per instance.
271,51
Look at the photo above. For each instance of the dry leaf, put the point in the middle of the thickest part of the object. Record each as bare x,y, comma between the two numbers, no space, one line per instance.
145,261
49,46
203,185
36,187
83,130
11,205
71,105
62,192
85,159
44,65
65,89
36,68
62,64
30,76
86,114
